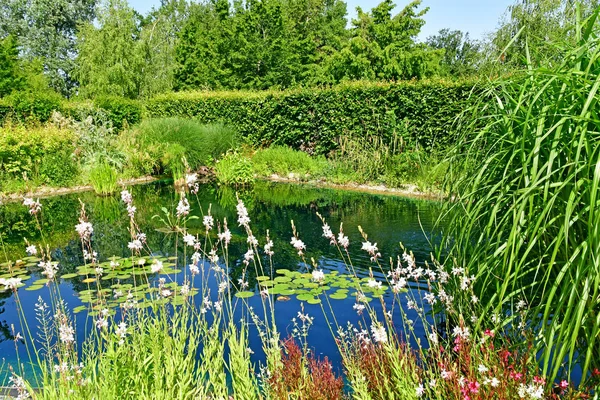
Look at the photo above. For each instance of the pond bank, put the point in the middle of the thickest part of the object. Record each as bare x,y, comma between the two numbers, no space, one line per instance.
407,190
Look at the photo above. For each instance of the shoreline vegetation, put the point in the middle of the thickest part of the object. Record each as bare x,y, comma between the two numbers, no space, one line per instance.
408,190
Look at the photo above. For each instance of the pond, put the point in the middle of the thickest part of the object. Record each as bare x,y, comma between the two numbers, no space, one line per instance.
388,221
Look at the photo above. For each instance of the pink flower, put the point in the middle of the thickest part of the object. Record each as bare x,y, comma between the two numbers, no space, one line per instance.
563,385
474,387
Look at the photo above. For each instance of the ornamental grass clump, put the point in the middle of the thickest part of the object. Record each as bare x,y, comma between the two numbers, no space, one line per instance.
525,219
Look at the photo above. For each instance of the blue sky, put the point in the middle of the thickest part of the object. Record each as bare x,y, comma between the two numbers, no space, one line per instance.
477,17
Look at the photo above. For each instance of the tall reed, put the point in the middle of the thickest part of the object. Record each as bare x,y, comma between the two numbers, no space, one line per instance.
526,220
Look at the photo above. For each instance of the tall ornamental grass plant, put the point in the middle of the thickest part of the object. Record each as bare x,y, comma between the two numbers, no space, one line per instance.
526,215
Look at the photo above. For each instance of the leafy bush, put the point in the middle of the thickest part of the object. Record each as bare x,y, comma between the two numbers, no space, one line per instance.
103,178
120,111
402,168
162,143
27,107
313,119
283,160
44,155
234,169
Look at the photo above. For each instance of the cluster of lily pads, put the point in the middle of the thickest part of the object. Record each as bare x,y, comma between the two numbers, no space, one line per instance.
118,280
305,287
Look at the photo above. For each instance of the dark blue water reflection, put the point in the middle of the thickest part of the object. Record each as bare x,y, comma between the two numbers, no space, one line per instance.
388,220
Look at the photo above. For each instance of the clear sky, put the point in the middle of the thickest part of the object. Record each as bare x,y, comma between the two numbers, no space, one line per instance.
477,17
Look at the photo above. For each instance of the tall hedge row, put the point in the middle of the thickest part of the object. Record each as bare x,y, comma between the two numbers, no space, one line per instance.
418,114
410,113
28,107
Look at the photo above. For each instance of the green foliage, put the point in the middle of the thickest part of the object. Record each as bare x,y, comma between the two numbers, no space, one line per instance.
32,107
525,222
46,31
534,32
11,77
282,161
103,178
162,143
259,44
120,111
461,54
422,114
234,169
127,56
38,155
383,47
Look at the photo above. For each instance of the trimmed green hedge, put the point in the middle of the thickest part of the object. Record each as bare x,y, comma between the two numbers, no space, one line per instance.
420,113
25,107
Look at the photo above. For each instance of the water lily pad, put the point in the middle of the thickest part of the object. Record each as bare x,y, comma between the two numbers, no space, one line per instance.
338,296
305,296
69,276
34,287
313,301
79,309
244,295
262,278
89,280
282,279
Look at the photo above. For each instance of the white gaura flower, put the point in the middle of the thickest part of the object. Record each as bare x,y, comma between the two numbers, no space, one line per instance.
189,239
371,249
343,239
249,256
11,283
430,298
126,197
242,212
225,236
156,266
298,245
135,245
252,241
84,229
183,208
213,257
359,308
121,330
379,333
208,222
482,369
420,390
31,250
131,209
66,333
318,275
268,248
34,205
49,269
194,270
185,289
373,284
460,332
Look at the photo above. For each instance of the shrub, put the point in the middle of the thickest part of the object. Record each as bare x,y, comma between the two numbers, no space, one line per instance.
29,107
44,155
168,140
121,112
283,160
313,119
103,178
234,169
403,168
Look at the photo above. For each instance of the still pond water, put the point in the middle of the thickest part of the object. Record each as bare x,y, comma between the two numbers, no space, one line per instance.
388,220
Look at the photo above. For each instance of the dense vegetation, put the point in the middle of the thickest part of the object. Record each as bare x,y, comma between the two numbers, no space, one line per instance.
515,145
